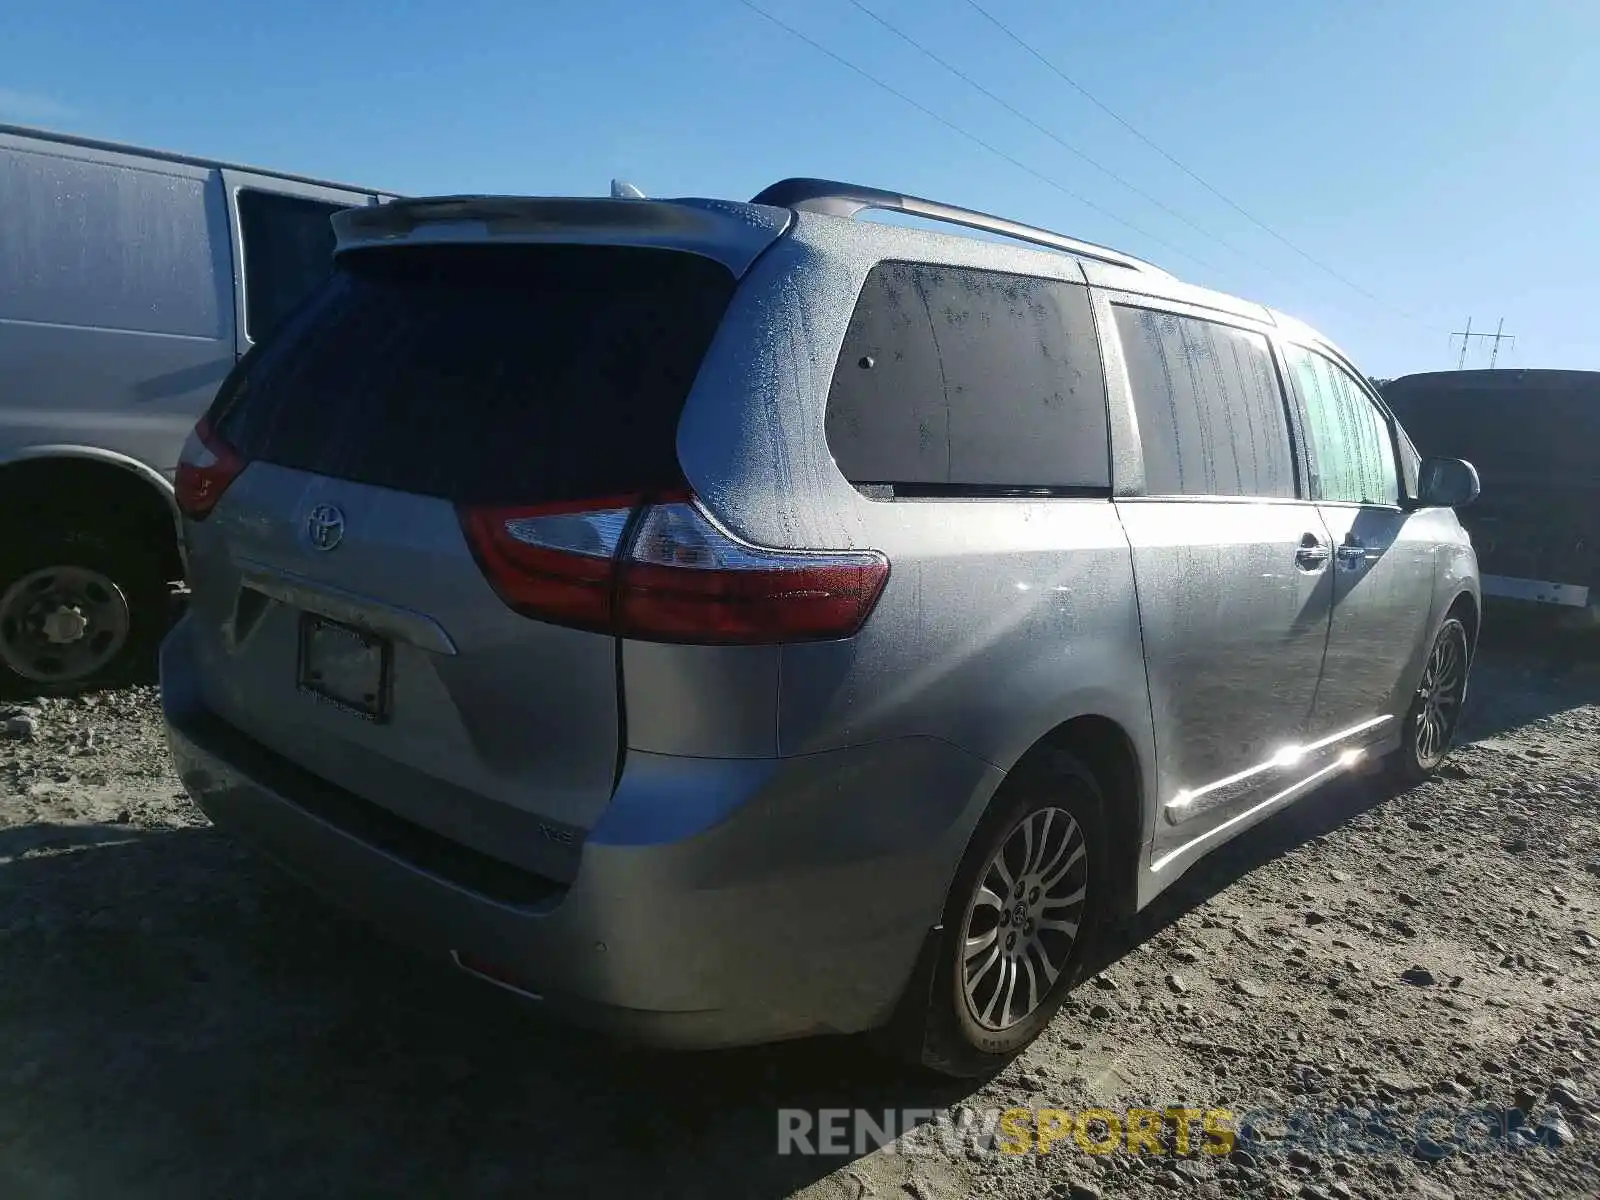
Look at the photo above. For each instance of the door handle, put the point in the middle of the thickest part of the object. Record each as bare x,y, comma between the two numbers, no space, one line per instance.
1352,554
1313,553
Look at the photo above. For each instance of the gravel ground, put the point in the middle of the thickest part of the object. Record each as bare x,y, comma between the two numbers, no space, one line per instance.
178,1021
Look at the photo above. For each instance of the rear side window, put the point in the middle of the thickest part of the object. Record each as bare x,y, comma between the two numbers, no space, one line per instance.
485,374
1352,454
288,250
953,379
1212,421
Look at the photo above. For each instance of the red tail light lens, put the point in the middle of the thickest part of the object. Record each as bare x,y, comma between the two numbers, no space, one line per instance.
671,575
556,562
686,580
205,469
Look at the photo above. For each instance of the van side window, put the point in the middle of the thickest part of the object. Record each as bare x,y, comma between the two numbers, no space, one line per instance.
1352,452
1212,420
956,380
288,250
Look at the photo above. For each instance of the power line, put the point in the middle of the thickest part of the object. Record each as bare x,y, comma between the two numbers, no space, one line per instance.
972,137
1051,134
1117,117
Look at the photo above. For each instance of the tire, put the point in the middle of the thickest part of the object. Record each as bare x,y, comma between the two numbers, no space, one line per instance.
110,600
968,1028
1435,711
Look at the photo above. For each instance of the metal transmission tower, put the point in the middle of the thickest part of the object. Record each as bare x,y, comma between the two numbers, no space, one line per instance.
1496,337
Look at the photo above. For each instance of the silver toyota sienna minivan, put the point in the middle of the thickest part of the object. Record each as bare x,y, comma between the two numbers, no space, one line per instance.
728,622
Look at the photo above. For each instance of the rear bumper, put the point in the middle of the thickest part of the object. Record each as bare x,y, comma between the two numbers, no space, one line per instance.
1539,591
718,902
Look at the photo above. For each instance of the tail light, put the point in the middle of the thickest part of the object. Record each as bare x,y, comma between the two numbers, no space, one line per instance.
686,580
556,562
666,572
205,469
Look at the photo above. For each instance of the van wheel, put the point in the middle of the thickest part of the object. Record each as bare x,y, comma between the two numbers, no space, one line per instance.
1020,921
77,611
1435,710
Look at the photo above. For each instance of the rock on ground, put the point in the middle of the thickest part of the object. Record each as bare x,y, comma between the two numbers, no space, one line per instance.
176,1020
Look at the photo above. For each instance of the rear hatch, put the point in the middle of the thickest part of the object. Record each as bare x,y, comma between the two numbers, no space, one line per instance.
361,598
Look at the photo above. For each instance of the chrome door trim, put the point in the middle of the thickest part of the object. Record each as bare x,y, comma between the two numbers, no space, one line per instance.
1343,762
1191,803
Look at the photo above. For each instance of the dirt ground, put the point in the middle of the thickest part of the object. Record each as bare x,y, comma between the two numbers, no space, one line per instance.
178,1021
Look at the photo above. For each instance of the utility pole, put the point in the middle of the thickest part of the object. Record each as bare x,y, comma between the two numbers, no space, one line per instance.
1496,337
1495,353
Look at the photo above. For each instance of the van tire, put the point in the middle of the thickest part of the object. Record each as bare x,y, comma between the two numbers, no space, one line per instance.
952,1039
139,601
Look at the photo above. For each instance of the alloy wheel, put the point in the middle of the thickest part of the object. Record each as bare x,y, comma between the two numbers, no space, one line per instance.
1023,920
1440,694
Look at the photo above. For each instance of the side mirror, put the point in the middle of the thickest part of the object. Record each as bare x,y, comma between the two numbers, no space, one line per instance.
1447,483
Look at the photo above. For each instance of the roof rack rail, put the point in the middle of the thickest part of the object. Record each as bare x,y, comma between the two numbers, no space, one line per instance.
835,199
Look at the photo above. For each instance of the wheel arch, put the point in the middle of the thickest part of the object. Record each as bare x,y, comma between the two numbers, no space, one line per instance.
1465,605
90,483
1108,749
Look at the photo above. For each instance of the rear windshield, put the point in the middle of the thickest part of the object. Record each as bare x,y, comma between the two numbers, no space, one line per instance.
484,374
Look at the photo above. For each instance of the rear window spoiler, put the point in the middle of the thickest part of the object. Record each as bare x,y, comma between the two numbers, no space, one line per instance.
732,234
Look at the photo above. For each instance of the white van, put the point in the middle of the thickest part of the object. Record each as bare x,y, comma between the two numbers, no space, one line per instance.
130,283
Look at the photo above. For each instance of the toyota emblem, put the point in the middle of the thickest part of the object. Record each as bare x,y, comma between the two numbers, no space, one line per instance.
325,527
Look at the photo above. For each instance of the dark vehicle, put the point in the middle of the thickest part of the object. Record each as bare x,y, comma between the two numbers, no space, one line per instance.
1535,438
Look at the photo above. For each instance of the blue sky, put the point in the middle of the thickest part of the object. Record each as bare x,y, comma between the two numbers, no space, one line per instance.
1440,154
